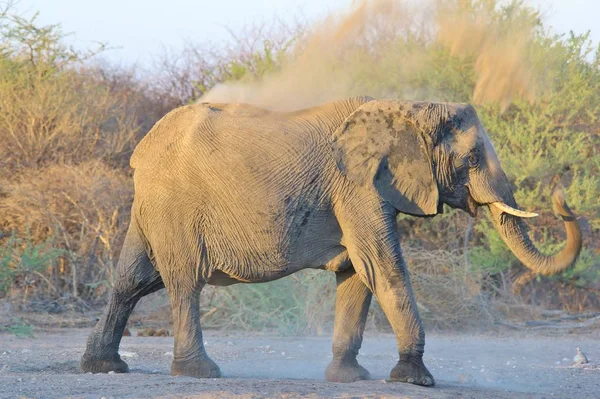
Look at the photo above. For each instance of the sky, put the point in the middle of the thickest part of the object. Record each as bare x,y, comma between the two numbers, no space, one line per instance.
142,29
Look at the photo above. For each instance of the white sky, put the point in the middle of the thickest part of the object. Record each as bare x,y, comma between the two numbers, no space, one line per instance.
143,28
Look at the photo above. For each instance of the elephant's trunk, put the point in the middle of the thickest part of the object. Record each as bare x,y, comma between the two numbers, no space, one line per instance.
514,233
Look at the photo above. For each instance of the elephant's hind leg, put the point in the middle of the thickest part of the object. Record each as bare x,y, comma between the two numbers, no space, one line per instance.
189,355
135,278
351,306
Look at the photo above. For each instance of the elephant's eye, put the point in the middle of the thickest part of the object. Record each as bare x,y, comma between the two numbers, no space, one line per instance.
473,160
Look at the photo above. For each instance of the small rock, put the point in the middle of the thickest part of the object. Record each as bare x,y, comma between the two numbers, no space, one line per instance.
168,353
580,357
19,379
282,353
465,378
25,351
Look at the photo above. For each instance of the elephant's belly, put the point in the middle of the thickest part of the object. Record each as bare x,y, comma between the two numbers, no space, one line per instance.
334,259
223,279
270,248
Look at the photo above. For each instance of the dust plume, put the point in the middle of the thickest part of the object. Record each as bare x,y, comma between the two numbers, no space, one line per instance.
387,48
501,50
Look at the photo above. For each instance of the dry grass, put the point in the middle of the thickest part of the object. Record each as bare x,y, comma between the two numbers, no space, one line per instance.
449,295
69,117
82,209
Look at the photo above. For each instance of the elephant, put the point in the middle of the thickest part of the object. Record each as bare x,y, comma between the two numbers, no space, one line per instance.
232,193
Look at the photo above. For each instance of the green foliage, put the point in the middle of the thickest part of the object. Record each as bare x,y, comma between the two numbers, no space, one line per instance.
553,141
19,328
288,305
38,48
25,261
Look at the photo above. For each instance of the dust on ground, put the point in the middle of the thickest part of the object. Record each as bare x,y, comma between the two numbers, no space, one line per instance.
506,365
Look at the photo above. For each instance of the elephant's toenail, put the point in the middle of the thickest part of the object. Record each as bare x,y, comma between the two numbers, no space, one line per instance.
411,380
427,381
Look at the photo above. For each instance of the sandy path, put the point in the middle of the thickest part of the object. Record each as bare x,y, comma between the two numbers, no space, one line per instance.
512,366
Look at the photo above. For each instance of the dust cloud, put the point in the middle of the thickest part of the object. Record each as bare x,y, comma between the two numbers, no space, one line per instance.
383,48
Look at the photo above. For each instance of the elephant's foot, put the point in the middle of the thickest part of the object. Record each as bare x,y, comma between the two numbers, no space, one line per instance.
410,368
91,364
346,371
202,367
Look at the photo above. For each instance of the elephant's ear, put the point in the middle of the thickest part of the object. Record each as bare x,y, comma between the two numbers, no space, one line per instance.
387,146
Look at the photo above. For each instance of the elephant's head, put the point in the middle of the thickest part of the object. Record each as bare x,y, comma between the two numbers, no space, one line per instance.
419,156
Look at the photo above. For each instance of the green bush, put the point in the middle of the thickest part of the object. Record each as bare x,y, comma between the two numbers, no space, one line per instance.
301,303
25,263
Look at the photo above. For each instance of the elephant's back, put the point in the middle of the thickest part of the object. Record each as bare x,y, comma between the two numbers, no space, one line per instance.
169,130
203,122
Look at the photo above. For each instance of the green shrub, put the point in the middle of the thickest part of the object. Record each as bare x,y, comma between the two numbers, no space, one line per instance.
25,263
301,303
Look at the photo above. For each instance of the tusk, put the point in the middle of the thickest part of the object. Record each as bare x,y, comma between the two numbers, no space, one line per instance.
512,211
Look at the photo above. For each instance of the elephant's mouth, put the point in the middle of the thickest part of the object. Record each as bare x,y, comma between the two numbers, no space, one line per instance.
461,200
472,206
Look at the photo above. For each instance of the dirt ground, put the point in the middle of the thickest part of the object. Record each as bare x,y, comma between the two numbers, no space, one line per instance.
508,365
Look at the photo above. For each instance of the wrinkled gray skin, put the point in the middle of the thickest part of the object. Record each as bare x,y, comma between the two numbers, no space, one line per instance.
229,193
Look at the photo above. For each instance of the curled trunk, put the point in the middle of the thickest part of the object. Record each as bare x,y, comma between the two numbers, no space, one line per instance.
514,233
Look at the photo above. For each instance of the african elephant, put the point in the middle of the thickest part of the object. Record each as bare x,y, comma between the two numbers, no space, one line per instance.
230,193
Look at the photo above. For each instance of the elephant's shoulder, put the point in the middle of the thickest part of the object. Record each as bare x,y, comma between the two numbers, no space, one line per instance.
172,128
330,115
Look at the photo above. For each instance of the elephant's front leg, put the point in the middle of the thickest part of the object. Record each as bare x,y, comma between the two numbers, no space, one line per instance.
377,258
351,306
394,293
